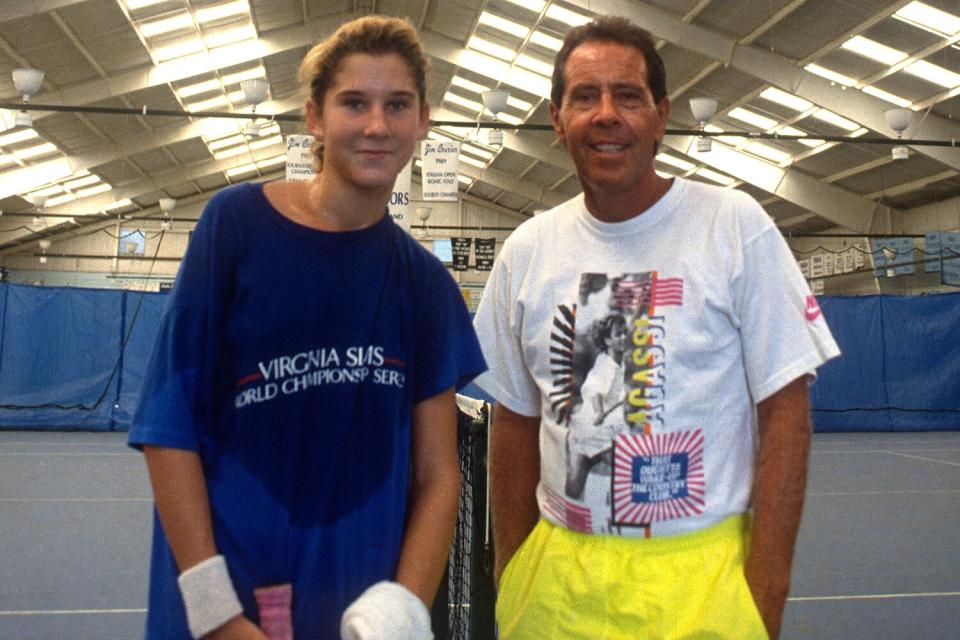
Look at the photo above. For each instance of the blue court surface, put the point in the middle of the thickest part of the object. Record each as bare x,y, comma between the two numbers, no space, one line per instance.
878,556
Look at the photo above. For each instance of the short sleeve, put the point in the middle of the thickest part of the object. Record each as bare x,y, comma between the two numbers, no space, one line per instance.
176,403
497,321
784,334
446,352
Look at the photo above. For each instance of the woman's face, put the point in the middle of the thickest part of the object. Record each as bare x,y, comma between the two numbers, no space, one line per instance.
370,120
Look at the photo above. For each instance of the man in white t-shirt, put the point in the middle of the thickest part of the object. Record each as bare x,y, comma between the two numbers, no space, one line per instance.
684,523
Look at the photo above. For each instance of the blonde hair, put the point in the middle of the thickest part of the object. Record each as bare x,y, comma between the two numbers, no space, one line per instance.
372,35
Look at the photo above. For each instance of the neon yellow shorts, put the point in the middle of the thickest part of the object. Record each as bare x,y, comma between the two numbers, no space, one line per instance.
564,585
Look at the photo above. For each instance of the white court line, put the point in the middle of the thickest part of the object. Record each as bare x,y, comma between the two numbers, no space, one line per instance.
883,493
132,454
7,500
69,612
879,596
849,451
905,455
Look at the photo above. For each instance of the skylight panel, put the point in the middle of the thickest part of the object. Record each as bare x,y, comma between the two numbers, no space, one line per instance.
833,76
35,152
463,83
119,204
178,50
473,162
785,99
200,87
509,119
531,5
548,42
767,152
930,18
750,117
241,170
874,50
249,74
229,36
530,82
465,180
230,152
439,137
933,73
566,16
456,132
470,105
537,66
494,69
211,103
47,192
57,200
485,46
85,181
502,24
269,162
266,142
15,137
793,131
883,95
209,14
92,191
167,25
223,143
836,120
477,151
517,103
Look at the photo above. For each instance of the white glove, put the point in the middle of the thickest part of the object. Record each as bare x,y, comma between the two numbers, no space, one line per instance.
386,611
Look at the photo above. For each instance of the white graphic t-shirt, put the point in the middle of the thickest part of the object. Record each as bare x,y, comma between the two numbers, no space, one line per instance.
643,346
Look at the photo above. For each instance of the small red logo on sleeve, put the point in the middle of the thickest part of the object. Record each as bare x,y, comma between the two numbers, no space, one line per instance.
812,312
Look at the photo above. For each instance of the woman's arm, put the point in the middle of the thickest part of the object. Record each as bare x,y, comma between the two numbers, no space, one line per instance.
434,496
180,493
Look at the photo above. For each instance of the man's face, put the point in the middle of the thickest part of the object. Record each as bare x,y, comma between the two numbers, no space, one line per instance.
609,121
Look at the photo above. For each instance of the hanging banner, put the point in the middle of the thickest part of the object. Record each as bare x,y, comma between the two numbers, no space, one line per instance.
932,247
950,259
299,158
400,198
441,164
899,263
461,253
484,248
804,267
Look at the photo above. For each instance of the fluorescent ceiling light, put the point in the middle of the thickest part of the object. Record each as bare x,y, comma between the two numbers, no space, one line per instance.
242,169
270,129
666,174
517,103
230,152
835,120
439,137
537,66
158,27
236,97
485,46
6,161
465,180
119,204
674,161
793,131
249,74
933,73
566,16
456,132
712,175
859,132
223,143
509,119
730,140
786,99
546,41
85,181
52,202
92,191
34,152
15,137
927,17
469,105
473,162
46,192
239,7
203,105
266,142
502,24
750,117
269,162
833,76
196,89
223,37
767,152
528,81
531,5
873,50
169,52
883,95
477,151
485,66
463,83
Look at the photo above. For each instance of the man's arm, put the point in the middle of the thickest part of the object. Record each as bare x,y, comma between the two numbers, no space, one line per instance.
180,493
434,496
784,429
514,474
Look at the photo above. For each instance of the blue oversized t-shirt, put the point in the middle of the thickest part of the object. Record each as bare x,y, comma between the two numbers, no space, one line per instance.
290,359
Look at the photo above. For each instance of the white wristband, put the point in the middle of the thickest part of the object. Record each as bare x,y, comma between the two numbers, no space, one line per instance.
208,596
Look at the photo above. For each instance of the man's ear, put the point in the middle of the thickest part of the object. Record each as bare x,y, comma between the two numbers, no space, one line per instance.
557,124
424,119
